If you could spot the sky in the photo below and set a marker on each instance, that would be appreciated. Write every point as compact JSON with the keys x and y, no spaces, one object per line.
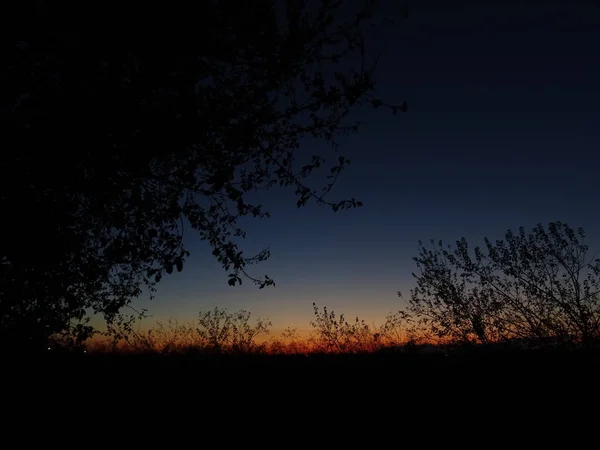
{"x":502,"y":131}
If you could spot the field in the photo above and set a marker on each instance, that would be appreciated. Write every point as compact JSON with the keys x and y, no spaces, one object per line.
{"x":468,"y":369}
{"x":324,"y":398}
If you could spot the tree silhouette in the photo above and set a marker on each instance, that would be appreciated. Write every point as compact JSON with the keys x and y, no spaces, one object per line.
{"x":539,"y":287}
{"x":123,"y":126}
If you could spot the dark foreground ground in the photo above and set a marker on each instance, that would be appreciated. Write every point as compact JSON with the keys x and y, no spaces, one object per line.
{"x":309,"y":398}
{"x":472,"y":369}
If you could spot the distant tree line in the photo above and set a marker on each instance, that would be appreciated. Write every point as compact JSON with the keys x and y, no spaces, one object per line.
{"x":532,"y":289}
{"x":218,"y":331}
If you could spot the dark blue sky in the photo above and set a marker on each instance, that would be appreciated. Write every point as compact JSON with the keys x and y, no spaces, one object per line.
{"x":502,"y":130}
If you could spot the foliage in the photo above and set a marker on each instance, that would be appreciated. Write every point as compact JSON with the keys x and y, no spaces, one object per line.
{"x":154,"y":133}
{"x":221,"y":331}
{"x":165,"y":337}
{"x":335,"y":334}
{"x":218,"y":331}
{"x":173,"y":336}
{"x":539,"y":287}
{"x":289,"y":343}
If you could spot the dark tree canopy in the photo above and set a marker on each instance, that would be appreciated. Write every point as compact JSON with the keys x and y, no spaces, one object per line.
{"x":121,"y":126}
{"x":539,"y":286}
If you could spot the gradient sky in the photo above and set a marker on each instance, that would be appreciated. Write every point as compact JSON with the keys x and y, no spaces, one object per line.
{"x":502,"y":131}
